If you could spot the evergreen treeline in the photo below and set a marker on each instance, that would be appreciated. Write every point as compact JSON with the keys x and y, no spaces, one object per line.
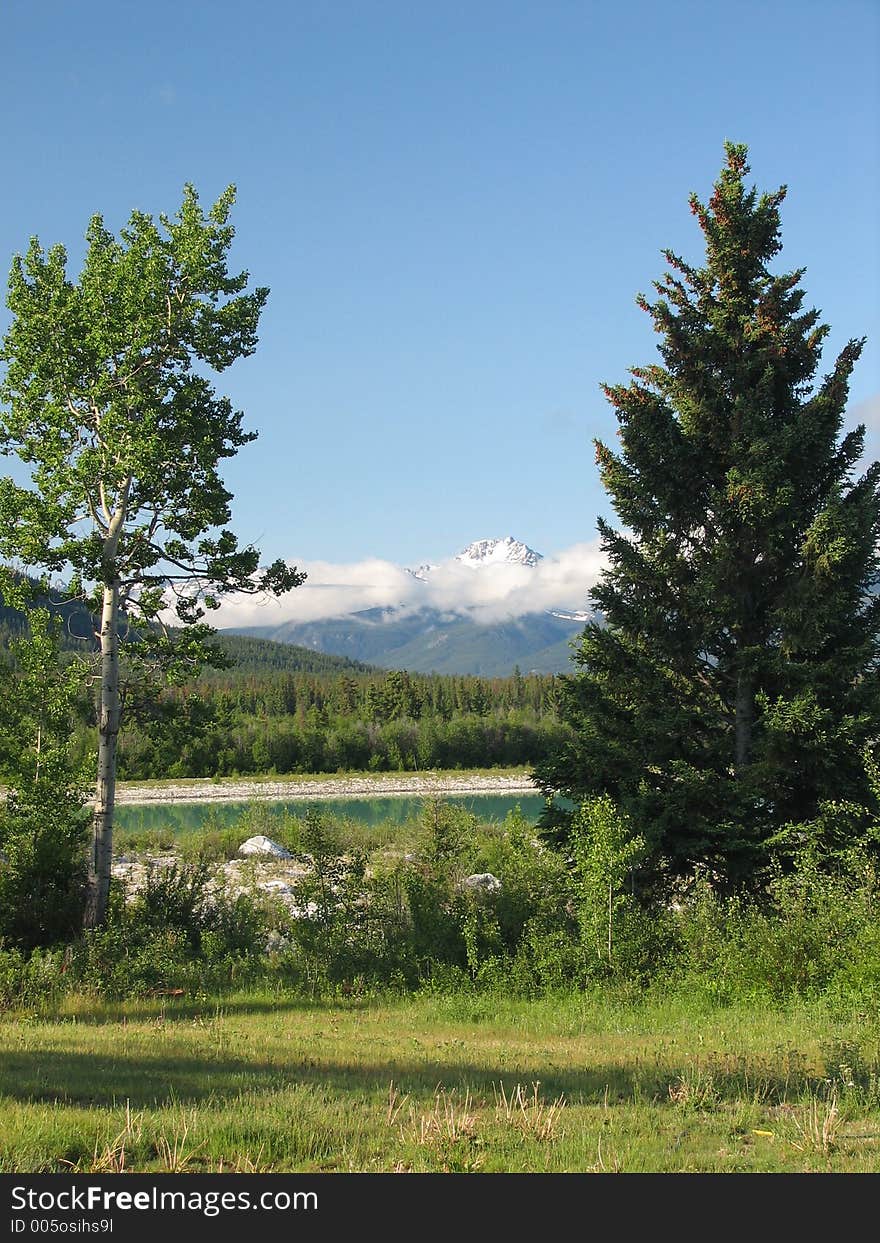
{"x":304,"y":722}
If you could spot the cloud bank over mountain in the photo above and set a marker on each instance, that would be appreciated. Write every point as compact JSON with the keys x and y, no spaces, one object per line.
{"x":492,"y":592}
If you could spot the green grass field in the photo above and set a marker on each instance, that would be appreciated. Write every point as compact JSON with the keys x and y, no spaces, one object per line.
{"x":466,"y":1082}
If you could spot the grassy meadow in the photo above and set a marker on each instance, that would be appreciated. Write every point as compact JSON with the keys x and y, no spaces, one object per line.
{"x":460,"y":1083}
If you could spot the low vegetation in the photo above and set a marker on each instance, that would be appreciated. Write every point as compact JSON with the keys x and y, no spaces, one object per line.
{"x":446,"y":901}
{"x":383,"y":1016}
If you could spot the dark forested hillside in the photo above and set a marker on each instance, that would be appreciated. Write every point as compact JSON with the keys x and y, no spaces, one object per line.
{"x":78,"y":630}
{"x":248,"y":655}
{"x":265,"y":656}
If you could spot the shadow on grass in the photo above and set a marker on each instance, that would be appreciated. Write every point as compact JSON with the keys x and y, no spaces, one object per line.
{"x":65,"y":1077}
{"x":172,"y":1008}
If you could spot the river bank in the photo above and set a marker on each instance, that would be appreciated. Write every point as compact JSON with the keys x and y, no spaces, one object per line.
{"x":384,"y":785}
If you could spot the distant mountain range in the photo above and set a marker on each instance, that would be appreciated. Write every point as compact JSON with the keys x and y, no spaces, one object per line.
{"x":423,"y":640}
{"x":426,"y":640}
{"x":430,"y":642}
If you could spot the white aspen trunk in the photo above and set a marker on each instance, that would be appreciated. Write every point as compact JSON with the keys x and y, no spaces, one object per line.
{"x":108,"y":732}
{"x":98,"y":888}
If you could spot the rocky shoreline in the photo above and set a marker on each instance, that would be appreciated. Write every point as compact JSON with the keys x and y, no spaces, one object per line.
{"x":389,"y":785}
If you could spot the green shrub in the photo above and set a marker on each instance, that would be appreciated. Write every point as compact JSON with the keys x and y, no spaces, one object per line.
{"x":549,"y":958}
{"x":536,"y":882}
{"x":616,"y":933}
{"x":28,"y":981}
{"x":178,"y":932}
{"x":43,"y":822}
{"x":812,"y":931}
{"x":343,"y":926}
{"x":42,"y":866}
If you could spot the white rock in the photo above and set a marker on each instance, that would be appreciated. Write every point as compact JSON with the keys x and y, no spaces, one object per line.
{"x":261,"y":845}
{"x":279,"y":887}
{"x":481,"y":882}
{"x":311,"y":910}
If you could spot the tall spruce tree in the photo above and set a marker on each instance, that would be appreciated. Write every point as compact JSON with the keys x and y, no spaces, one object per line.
{"x":731,"y":682}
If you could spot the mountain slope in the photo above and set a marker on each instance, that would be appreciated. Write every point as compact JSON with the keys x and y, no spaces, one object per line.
{"x":431,"y":642}
{"x":449,"y":638}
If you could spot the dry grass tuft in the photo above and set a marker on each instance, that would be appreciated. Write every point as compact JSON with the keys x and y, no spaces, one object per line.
{"x":112,"y":1157}
{"x":243,"y":1163}
{"x":450,"y":1120}
{"x":173,"y":1152}
{"x":528,"y":1112}
{"x":817,"y":1125}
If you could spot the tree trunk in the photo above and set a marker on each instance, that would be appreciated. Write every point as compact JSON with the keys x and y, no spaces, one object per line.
{"x":745,"y":717}
{"x":108,"y":733}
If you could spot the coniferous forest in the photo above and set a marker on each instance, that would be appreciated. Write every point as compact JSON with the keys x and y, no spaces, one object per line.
{"x":281,"y":709}
{"x":312,"y":723}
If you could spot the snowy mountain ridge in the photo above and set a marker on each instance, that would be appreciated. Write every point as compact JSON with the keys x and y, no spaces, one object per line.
{"x":507,"y":551}
{"x":487,"y":552}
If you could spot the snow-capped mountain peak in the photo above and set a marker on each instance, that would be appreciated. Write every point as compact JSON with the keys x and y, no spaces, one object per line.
{"x":486,"y":552}
{"x":421,"y":572}
{"x":506,"y":551}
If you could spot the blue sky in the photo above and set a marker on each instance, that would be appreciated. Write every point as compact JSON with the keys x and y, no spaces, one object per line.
{"x":454,"y":205}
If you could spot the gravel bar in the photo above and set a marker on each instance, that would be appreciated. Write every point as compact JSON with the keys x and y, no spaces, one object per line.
{"x":394,"y":784}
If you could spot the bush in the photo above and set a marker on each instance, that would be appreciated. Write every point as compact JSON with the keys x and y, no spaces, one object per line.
{"x":536,"y":883}
{"x":42,"y":821}
{"x":28,"y":981}
{"x":617,"y":934}
{"x":810,"y":933}
{"x":183,"y":899}
{"x":178,"y":932}
{"x":342,"y":926}
{"x":42,"y":866}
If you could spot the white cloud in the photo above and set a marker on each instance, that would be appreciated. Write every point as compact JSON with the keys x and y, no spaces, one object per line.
{"x":330,"y":590}
{"x":487,"y":594}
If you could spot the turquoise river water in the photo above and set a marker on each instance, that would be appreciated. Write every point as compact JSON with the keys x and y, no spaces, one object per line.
{"x":185,"y":818}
